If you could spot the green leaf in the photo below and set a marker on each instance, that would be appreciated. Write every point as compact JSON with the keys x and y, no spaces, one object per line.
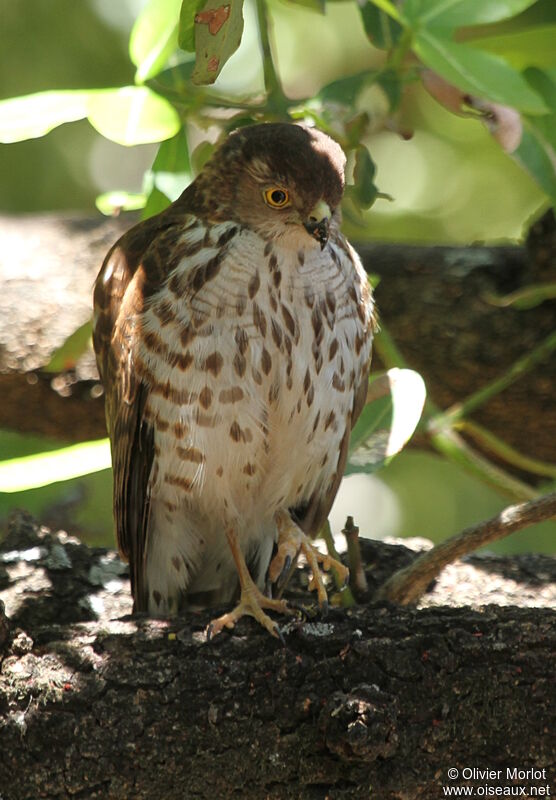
{"x":218,"y":32}
{"x":364,"y":189}
{"x":383,"y":31}
{"x":476,"y":72}
{"x":537,"y":156}
{"x":173,"y":154}
{"x":175,"y":83}
{"x":170,"y":174}
{"x":34,"y":115}
{"x":111,"y":203}
{"x":30,"y":472}
{"x":534,"y":47}
{"x":156,"y":202}
{"x":132,"y":115}
{"x":312,"y":5}
{"x":186,"y":35}
{"x":387,"y":421}
{"x":345,"y":90}
{"x":66,"y":356}
{"x":544,"y":82}
{"x":154,"y":37}
{"x":454,"y":13}
{"x":390,"y":82}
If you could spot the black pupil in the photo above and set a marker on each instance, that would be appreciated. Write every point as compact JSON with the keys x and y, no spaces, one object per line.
{"x":278,"y":197}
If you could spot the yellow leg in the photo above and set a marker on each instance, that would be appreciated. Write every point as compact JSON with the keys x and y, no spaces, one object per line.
{"x":291,"y":541}
{"x":252,"y":600}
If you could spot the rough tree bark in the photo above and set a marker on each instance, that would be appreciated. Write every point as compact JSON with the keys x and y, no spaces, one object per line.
{"x":373,"y":702}
{"x":434,"y":300}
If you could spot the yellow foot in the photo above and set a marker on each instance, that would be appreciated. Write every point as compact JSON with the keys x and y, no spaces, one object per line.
{"x":251,"y":603}
{"x":292,"y":541}
{"x":252,"y":600}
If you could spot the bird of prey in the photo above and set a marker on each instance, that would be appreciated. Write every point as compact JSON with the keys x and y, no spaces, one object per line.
{"x":233,"y":335}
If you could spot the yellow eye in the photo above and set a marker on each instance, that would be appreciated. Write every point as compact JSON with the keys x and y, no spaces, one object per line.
{"x":276,"y":197}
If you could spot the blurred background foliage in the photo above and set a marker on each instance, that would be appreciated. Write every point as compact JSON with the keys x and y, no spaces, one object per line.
{"x":435,"y":176}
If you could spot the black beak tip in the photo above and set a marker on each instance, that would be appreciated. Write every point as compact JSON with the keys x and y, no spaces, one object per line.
{"x":319,"y":231}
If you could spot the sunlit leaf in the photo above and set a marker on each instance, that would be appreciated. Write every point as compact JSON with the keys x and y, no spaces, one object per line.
{"x":388,"y":421}
{"x":30,"y":472}
{"x":36,"y":114}
{"x":110,"y":203}
{"x":154,"y":37}
{"x":454,"y":13}
{"x":66,"y":356}
{"x":132,"y":115}
{"x":383,"y":31}
{"x":477,"y":72}
{"x":218,"y":32}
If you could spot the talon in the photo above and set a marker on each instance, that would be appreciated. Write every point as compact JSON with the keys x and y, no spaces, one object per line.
{"x":209,"y":631}
{"x":324,"y":609}
{"x":280,"y":635}
{"x":291,"y":539}
{"x":285,"y":574}
{"x":252,"y":601}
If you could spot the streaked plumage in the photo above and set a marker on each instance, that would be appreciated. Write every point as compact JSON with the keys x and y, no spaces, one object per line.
{"x":234,"y":349}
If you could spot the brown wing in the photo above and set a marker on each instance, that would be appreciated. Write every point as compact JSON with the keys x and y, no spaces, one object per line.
{"x":132,"y":270}
{"x":312,"y":516}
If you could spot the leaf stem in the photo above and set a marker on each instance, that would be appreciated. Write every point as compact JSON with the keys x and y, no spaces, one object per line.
{"x":505,"y":451}
{"x":459,"y":410}
{"x":277,"y":100}
{"x":407,"y":585}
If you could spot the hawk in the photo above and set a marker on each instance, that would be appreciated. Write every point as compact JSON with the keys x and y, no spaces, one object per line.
{"x":233,"y":333}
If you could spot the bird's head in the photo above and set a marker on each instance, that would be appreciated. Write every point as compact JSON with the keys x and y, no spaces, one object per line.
{"x":283,"y":180}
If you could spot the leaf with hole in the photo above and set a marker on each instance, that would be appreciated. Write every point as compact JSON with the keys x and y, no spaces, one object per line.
{"x":186,"y":33}
{"x":218,"y":32}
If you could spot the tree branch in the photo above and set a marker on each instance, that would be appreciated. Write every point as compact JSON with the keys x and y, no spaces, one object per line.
{"x":409,"y":584}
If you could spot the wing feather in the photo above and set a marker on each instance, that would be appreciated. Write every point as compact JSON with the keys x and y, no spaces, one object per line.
{"x":128,"y":275}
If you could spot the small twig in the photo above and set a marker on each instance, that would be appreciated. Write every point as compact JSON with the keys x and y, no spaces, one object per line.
{"x":357,"y":576}
{"x":346,"y":596}
{"x":276,"y":100}
{"x":408,"y":584}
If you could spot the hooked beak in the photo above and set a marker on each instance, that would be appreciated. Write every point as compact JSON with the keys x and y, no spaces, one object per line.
{"x":319,"y":222}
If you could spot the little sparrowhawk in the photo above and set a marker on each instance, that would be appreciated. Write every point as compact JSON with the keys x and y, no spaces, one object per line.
{"x":233,"y":335}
